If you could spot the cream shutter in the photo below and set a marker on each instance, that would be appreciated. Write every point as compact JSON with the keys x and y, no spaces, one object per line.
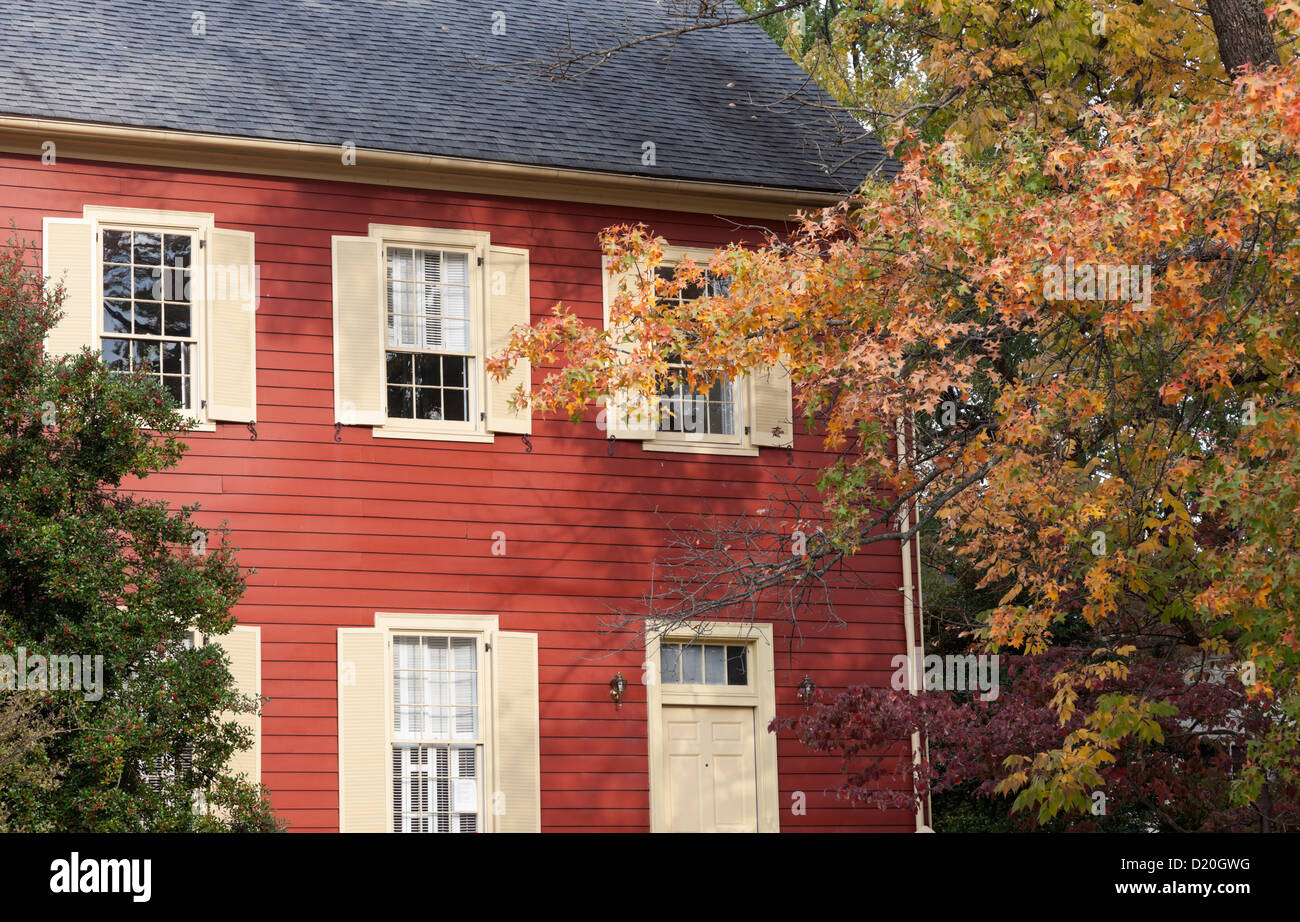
{"x":232,"y":326}
{"x":359,"y":398}
{"x":508,"y":306}
{"x":243,"y":646}
{"x":773,"y":413}
{"x":363,"y":731}
{"x":628,"y":415}
{"x":69,"y":257}
{"x":516,"y":801}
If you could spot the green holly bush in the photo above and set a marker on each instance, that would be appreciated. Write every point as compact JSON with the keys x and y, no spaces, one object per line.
{"x":88,"y":567}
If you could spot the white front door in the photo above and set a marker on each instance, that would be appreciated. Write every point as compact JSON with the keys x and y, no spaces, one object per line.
{"x":711,"y":784}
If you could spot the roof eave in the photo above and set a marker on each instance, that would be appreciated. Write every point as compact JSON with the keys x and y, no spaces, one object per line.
{"x":227,"y":153}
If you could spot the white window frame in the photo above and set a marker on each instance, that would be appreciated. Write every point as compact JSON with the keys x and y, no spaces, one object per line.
{"x":418,"y":625}
{"x":199,"y":226}
{"x":476,"y":245}
{"x":741,"y":443}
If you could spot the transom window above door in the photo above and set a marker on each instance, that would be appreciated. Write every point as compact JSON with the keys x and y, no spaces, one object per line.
{"x":703,"y":664}
{"x":430,"y":349}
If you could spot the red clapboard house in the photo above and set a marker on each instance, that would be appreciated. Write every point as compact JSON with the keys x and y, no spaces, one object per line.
{"x":373,"y":208}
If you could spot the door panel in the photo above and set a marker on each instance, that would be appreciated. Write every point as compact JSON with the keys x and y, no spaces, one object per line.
{"x":710,"y":771}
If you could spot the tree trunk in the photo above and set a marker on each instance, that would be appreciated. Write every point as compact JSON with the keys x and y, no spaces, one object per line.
{"x":1243,"y":33}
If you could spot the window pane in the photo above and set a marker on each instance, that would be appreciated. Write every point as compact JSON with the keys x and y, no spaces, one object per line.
{"x":148,"y":249}
{"x":431,"y":309}
{"x":176,"y":388}
{"x":692,"y":665}
{"x":454,"y":371}
{"x":455,"y":268}
{"x":117,"y":316}
{"x":435,"y":653}
{"x":464,"y":652}
{"x":172,"y":358}
{"x":400,"y":403}
{"x":456,"y":335}
{"x":117,"y":354}
{"x":466,"y":725}
{"x":692,"y":410}
{"x":670,"y":663}
{"x":438,"y":723}
{"x":177,"y":320}
{"x":117,"y":246}
{"x":453,"y":406}
{"x":117,"y":282}
{"x":456,"y":302}
{"x":714,"y":667}
{"x":722,"y":419}
{"x":148,"y":318}
{"x":176,"y":250}
{"x":399,"y":264}
{"x":148,"y":283}
{"x":737,"y":666}
{"x":175,"y":284}
{"x":399,"y":367}
{"x":428,"y":370}
{"x":145,"y":357}
{"x":428,"y":403}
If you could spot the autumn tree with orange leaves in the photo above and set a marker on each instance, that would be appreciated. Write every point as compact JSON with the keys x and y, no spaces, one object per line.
{"x":1088,"y":331}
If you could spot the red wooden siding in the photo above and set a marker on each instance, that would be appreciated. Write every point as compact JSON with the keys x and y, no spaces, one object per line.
{"x":339,"y":531}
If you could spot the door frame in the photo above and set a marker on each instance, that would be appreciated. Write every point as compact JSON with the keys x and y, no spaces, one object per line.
{"x":759,"y":695}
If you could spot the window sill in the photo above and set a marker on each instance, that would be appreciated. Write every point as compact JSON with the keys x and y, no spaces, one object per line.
{"x":430,"y":435}
{"x":701,"y":448}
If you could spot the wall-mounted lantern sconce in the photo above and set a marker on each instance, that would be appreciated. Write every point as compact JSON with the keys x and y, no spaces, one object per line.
{"x":806,"y":691}
{"x":617,"y":686}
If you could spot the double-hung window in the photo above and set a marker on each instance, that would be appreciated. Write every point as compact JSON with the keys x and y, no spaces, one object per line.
{"x":727,"y":416}
{"x":431,"y":360}
{"x":165,"y":294}
{"x":417,"y":313}
{"x":438,"y":726}
{"x":149,"y":326}
{"x":437,"y":734}
{"x":707,"y":413}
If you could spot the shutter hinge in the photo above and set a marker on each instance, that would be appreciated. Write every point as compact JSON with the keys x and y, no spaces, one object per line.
{"x":480,"y":260}
{"x":482,"y":415}
{"x":746,"y":430}
{"x":203,"y":242}
{"x":487,"y":647}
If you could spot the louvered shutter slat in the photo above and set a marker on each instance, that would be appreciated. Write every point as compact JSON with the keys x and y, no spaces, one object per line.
{"x":508,"y":304}
{"x":628,"y":414}
{"x":68,"y":255}
{"x":516,"y":794}
{"x":363,"y":719}
{"x":359,"y":398}
{"x":243,"y":646}
{"x":232,"y":327}
{"x":773,"y":415}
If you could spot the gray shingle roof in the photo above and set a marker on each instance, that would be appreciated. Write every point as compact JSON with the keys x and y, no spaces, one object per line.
{"x":407,"y":75}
